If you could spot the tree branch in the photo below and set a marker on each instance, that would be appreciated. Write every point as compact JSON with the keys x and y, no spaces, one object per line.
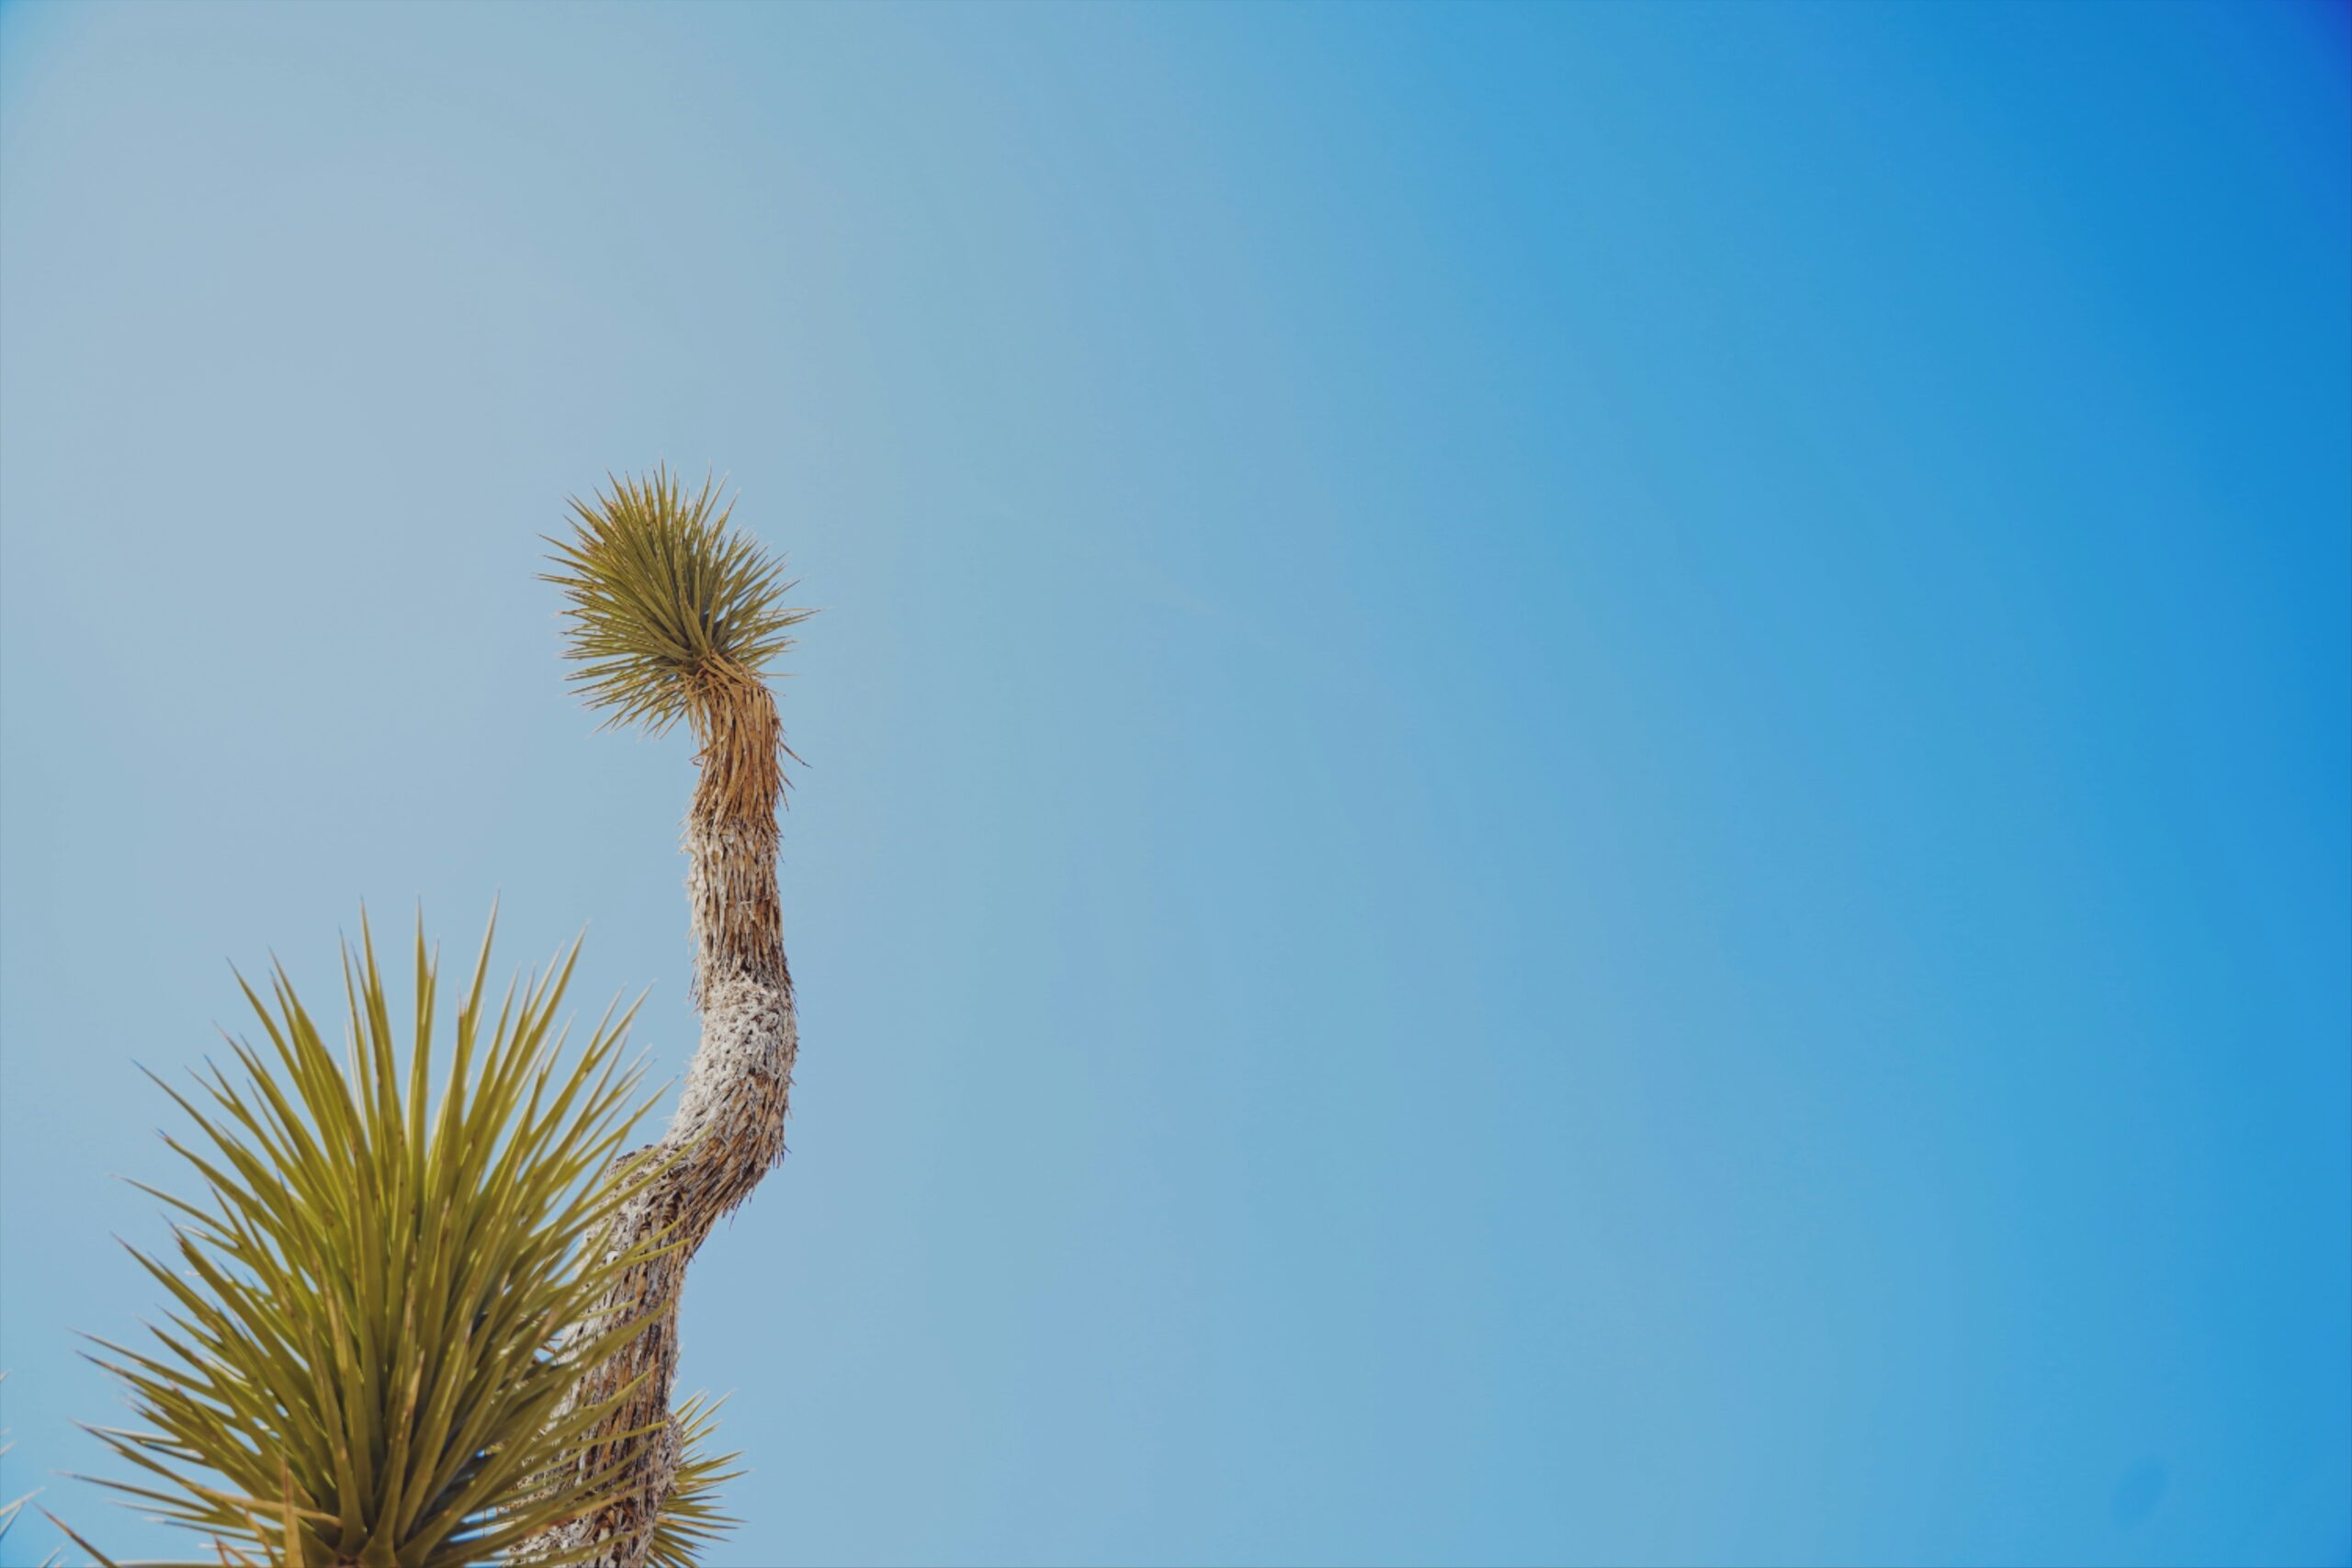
{"x":728,"y":1129}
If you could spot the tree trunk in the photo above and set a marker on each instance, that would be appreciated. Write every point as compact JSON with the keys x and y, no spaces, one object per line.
{"x":729,"y":1130}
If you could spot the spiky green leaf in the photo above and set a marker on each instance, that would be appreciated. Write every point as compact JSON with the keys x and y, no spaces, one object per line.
{"x":665,"y":599}
{"x":691,"y":1520}
{"x":377,"y":1320}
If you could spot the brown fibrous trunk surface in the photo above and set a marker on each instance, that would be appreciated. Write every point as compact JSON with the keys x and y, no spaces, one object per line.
{"x":728,"y":1132}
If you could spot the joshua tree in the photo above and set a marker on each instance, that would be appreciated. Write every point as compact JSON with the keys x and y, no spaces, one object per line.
{"x":674,"y":617}
{"x":414,"y":1334}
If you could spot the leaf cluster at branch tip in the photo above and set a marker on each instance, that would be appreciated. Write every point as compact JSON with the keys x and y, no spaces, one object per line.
{"x":667,"y":603}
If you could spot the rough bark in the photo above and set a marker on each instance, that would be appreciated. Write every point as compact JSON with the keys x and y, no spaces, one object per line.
{"x":728,"y":1129}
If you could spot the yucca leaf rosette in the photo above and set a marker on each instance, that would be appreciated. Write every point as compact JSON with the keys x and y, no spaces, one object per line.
{"x":365,"y":1362}
{"x":674,"y":613}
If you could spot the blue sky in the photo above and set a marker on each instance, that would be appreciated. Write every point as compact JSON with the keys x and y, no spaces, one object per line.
{"x":1578,"y":776}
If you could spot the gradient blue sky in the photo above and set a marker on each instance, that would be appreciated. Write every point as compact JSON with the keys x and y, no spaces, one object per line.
{"x":1578,"y":776}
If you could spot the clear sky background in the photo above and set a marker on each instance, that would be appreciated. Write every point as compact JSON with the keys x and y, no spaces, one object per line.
{"x":1578,"y":776}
